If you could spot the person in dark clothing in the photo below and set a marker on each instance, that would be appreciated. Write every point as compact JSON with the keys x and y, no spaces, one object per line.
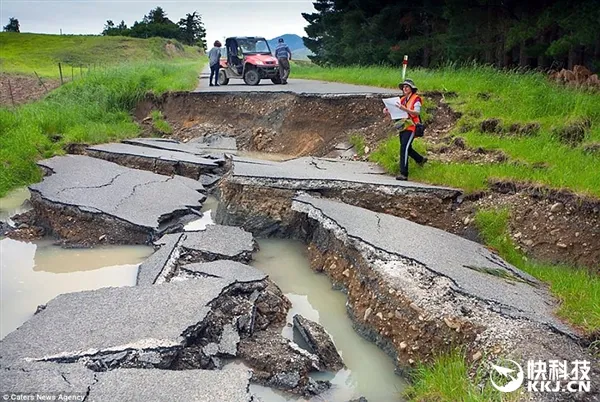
{"x":214,"y":57}
{"x":410,"y":102}
{"x":283,"y":55}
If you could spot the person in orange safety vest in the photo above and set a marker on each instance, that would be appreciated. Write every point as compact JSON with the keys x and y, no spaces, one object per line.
{"x":410,"y":102}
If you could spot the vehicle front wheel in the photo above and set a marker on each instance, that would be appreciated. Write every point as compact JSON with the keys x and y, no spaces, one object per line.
{"x":276,"y":80}
{"x":251,"y":77}
{"x":223,"y":80}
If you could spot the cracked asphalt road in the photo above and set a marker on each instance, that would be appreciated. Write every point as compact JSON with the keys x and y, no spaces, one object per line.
{"x":136,"y":196}
{"x":311,"y":173}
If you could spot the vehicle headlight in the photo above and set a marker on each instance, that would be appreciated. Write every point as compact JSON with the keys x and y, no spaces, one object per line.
{"x":259,"y":63}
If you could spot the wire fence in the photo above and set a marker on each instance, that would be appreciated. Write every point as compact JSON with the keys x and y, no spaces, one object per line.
{"x":66,"y":72}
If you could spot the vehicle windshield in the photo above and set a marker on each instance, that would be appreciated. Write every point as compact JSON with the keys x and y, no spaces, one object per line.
{"x":254,"y":45}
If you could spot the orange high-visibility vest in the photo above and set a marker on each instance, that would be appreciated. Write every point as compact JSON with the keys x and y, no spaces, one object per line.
{"x":411,"y":104}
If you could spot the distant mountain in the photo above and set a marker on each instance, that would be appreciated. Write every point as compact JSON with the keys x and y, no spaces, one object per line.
{"x":299,"y":51}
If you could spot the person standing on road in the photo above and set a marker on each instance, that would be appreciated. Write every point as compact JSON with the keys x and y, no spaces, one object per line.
{"x":214,"y":57}
{"x":283,"y":55}
{"x":410,"y":102}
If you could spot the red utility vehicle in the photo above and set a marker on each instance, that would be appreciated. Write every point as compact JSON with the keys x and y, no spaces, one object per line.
{"x":248,"y":58}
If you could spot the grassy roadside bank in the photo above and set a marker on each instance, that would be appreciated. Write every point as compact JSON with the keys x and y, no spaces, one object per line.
{"x":483,"y":93}
{"x":24,"y":53}
{"x":94,"y":109}
{"x":578,"y":291}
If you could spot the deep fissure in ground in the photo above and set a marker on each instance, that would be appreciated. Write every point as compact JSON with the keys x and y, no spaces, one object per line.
{"x":556,"y":226}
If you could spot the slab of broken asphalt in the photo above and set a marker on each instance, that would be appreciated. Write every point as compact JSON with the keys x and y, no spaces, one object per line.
{"x":230,"y":270}
{"x":196,"y":146}
{"x":215,"y":243}
{"x":230,"y":384}
{"x":471,"y":268}
{"x":127,"y":153}
{"x":107,"y":190}
{"x":414,"y":290}
{"x":310,"y":173}
{"x":47,"y":379}
{"x":136,"y":327}
{"x":108,"y":321}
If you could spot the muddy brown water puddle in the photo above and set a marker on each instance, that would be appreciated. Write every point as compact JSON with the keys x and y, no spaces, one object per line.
{"x":369,"y":372}
{"x":33,"y":273}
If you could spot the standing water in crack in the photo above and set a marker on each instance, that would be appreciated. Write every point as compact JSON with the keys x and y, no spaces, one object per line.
{"x":209,"y":208}
{"x":33,"y":273}
{"x":369,"y":371}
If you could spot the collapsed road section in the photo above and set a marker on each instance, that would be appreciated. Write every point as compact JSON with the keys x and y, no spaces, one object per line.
{"x":283,"y":123}
{"x":414,"y":290}
{"x":192,"y":247}
{"x":195,"y":159}
{"x":197,"y":318}
{"x":86,"y":201}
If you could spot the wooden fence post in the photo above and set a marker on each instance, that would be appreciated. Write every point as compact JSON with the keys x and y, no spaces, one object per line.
{"x":42,"y":82}
{"x":61,"y":76}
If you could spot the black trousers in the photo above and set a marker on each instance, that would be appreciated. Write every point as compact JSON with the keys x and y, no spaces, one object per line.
{"x":406,"y":150}
{"x":214,"y":71}
{"x":284,"y":68}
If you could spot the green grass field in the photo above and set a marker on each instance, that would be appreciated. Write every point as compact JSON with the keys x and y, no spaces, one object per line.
{"x":24,"y":53}
{"x":484,"y":93}
{"x":94,"y":109}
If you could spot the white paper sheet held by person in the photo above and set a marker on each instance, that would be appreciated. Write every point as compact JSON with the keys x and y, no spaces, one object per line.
{"x":395,"y":112}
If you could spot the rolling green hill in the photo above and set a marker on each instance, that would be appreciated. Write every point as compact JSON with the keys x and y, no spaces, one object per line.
{"x":24,"y":53}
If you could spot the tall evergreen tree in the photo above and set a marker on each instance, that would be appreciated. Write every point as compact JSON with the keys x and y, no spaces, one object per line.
{"x":111,"y":30}
{"x":155,"y":23}
{"x":506,"y":33}
{"x":13,"y":25}
{"x":192,"y":30}
{"x":156,"y":16}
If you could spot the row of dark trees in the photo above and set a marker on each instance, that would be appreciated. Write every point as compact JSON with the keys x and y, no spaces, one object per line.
{"x":189,"y":30}
{"x":506,"y":33}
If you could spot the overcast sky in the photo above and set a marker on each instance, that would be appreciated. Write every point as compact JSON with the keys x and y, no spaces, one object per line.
{"x":268,"y":18}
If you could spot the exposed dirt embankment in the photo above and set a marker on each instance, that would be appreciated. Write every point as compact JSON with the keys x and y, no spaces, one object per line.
{"x":541,"y":226}
{"x":290,"y":124}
